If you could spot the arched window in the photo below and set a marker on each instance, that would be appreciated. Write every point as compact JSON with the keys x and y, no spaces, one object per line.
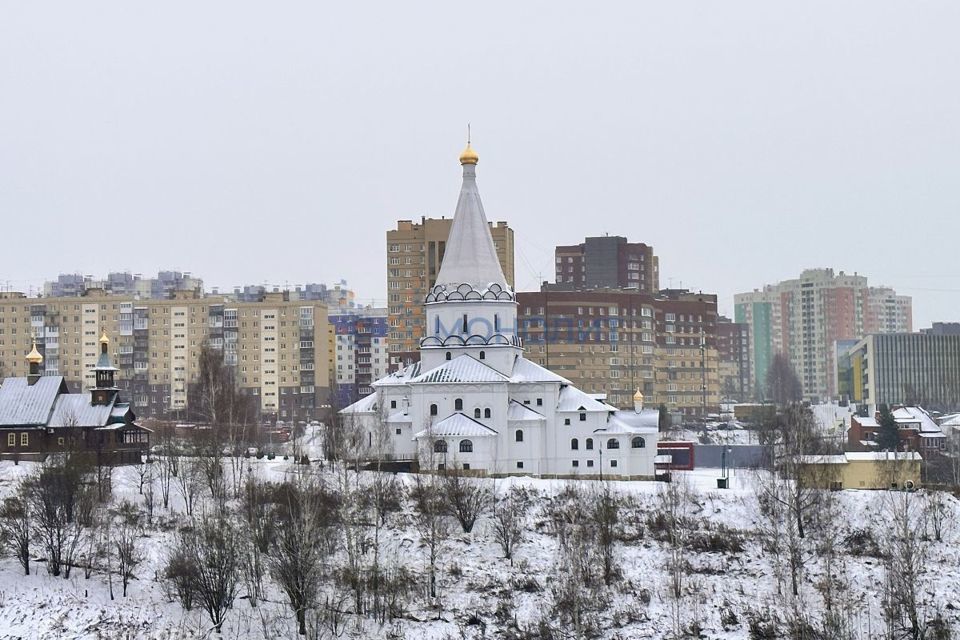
{"x":448,"y":355}
{"x":638,"y":443}
{"x":574,"y":444}
{"x":437,"y":326}
{"x":464,"y":323}
{"x":476,"y":412}
{"x":519,"y":435}
{"x":496,"y":322}
{"x":613,"y":443}
{"x":589,"y":443}
{"x":483,"y":355}
{"x":466,"y":446}
{"x":458,"y":404}
{"x":433,"y":409}
{"x":486,"y":412}
{"x":440,"y":446}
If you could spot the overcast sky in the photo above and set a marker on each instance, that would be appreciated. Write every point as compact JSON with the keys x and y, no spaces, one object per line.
{"x":278,"y":141}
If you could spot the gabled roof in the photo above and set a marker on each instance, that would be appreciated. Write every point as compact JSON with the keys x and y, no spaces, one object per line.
{"x":916,"y":415}
{"x":470,"y":256}
{"x":457,"y":425}
{"x":22,"y":404}
{"x":645,"y":422}
{"x":367,"y":404}
{"x":461,"y":369}
{"x":76,"y":410}
{"x":866,"y":422}
{"x":526,"y":371}
{"x":403,"y":376}
{"x":572,"y":399}
{"x":517,"y":411}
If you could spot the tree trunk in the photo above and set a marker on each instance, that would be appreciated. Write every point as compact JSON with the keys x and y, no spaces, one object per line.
{"x":302,"y":621}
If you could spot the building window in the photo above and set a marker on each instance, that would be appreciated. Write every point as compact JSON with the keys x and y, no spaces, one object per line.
{"x":448,"y":355}
{"x":589,"y":443}
{"x":583,"y":416}
{"x":441,"y":467}
{"x":440,"y":446}
{"x":613,"y":443}
{"x":24,"y":439}
{"x":520,"y":464}
{"x":613,"y":463}
{"x":519,"y":435}
{"x":458,"y":404}
{"x":11,"y":439}
{"x":576,"y":463}
{"x":466,"y":466}
{"x":483,"y":355}
{"x":464,"y":323}
{"x":486,"y":413}
{"x":466,"y":446}
{"x":433,"y":409}
{"x":539,"y":402}
{"x":60,"y":441}
{"x":566,"y":421}
{"x":476,"y":413}
{"x":574,"y":444}
{"x":589,"y":462}
{"x":393,"y":404}
{"x":638,"y":443}
{"x":398,"y":431}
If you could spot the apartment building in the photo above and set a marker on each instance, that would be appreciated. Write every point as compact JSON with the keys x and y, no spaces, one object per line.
{"x":277,"y":346}
{"x":360,"y":355}
{"x":414,"y":253}
{"x":616,"y":341}
{"x":905,"y":369}
{"x":607,"y":262}
{"x":123,"y":283}
{"x":805,"y":317}
{"x":733,"y":349}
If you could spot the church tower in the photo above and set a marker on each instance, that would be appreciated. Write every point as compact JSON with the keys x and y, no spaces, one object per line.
{"x":471,"y":309}
{"x":105,"y":389}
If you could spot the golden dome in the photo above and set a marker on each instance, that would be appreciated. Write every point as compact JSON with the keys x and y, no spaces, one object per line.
{"x":103,"y":338}
{"x":469,"y":156}
{"x":638,"y":395}
{"x":34,"y":356}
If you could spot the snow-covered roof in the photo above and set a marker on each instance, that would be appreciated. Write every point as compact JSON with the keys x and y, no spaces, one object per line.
{"x":23,"y":404}
{"x":527,"y":371}
{"x":366,"y":404}
{"x":403,"y":376}
{"x":463,"y":368}
{"x":399,"y":417}
{"x":647,"y":421}
{"x":861,"y":456}
{"x":918,"y":415}
{"x":456,"y":425}
{"x":866,"y":422}
{"x":75,"y":410}
{"x":572,"y":399}
{"x":518,"y":411}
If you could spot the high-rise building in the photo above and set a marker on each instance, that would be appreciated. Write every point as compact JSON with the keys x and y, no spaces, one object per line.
{"x":359,"y":353}
{"x":943,"y":329}
{"x":733,"y":349}
{"x":906,"y":368}
{"x":415,"y":251}
{"x":276,"y":346}
{"x":165,"y":285}
{"x":805,"y":317}
{"x":607,"y":262}
{"x":616,"y":341}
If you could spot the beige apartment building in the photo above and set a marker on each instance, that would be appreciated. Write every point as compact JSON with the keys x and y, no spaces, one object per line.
{"x":615,"y":342}
{"x":277,"y":346}
{"x":414,"y":253}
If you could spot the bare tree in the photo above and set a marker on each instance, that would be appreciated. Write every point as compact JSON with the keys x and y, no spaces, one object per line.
{"x":936,"y":512}
{"x":189,"y":482}
{"x":782,"y":384}
{"x":605,"y":514}
{"x":466,"y":499}
{"x":904,"y":555}
{"x":675,"y":510}
{"x":127,"y":528}
{"x":54,"y":493}
{"x":509,"y":513}
{"x":212,"y":547}
{"x":149,"y":494}
{"x":431,"y":523}
{"x":301,"y":546}
{"x":15,"y":527}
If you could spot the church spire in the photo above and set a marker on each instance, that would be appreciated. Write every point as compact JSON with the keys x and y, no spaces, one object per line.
{"x":470,"y":256}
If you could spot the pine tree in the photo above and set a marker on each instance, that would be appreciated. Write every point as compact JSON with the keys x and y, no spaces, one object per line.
{"x":888,"y":436}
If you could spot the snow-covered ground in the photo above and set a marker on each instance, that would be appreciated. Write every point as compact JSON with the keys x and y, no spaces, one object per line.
{"x":483,"y":595}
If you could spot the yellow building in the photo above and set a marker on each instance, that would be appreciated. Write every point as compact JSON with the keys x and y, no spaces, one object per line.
{"x":414,"y":253}
{"x":863,"y":470}
{"x":278,"y":347}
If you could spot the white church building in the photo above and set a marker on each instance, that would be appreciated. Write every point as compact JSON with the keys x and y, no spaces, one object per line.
{"x":474,"y":402}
